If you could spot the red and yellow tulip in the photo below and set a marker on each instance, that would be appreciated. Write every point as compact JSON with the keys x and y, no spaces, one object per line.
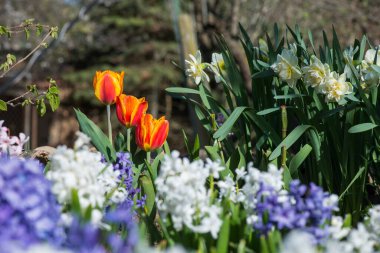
{"x":130,"y":109}
{"x":151,"y":133}
{"x":108,"y":85}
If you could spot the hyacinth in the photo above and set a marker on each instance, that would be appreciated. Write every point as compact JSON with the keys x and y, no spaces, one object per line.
{"x":123,"y":164}
{"x":88,"y":238}
{"x":11,"y":145}
{"x":29,"y":213}
{"x":304,"y":208}
{"x":81,"y":170}
{"x":190,"y":204}
{"x":252,"y":181}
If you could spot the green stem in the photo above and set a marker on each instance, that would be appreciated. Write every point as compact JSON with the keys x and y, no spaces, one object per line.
{"x":129,"y":139}
{"x":148,"y":156}
{"x":284,"y":118}
{"x":109,"y":123}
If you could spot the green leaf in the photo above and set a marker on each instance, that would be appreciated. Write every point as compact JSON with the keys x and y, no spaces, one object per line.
{"x":298,"y":159}
{"x":361,"y":128}
{"x":181,"y":90}
{"x":289,"y":96}
{"x":148,"y":190}
{"x":268,"y":111}
{"x":41,"y":107}
{"x":289,"y":140}
{"x":358,"y":174}
{"x":3,"y":105}
{"x":225,"y":129}
{"x":98,"y":138}
{"x":223,"y":236}
{"x":75,"y":204}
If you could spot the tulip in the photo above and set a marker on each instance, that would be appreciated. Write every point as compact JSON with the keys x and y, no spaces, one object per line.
{"x":130,"y":109}
{"x":151,"y":133}
{"x":108,"y":85}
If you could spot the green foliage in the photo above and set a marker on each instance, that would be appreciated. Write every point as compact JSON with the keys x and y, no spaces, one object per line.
{"x":329,"y":143}
{"x":98,"y":138}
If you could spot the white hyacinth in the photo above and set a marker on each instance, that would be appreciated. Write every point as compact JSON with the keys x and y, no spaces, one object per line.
{"x":82,"y":170}
{"x":272,"y":178}
{"x":299,"y":242}
{"x":182,"y":194}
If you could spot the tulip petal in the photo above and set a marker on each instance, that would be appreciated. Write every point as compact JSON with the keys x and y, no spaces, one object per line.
{"x":160,"y":133}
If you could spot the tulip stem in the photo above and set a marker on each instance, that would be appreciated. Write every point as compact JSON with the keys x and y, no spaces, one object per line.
{"x":148,"y":156}
{"x":129,"y":139}
{"x":109,"y":123}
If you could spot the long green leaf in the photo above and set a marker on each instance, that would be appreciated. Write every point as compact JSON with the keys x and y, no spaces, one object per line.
{"x":363,"y":127}
{"x":289,"y":140}
{"x":358,"y":174}
{"x":225,"y":129}
{"x":223,"y":237}
{"x":98,"y":138}
{"x":298,"y":159}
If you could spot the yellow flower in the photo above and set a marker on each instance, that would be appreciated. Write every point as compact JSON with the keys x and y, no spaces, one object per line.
{"x":336,"y":87}
{"x":316,"y":73}
{"x":287,"y":68}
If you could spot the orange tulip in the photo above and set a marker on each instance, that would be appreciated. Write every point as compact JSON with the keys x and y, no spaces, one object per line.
{"x":108,"y":85}
{"x":130,"y":109}
{"x":151,"y":133}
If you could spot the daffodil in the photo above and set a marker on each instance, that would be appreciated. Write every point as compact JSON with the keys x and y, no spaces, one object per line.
{"x":336,"y":87}
{"x":195,"y":68}
{"x":315,"y":74}
{"x":217,"y":66}
{"x":369,"y":75}
{"x":287,"y":67}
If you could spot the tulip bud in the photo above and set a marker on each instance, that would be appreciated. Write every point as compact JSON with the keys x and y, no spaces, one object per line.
{"x":151,"y":133}
{"x":108,"y":85}
{"x":130,"y":109}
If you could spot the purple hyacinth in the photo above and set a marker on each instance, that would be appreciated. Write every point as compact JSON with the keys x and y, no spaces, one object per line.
{"x":87,"y":238}
{"x":124,"y":165}
{"x":29,"y":212}
{"x":301,"y":208}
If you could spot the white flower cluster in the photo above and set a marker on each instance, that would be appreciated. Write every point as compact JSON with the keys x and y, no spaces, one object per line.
{"x":182,"y":194}
{"x":364,"y":239}
{"x":11,"y":145}
{"x":271,"y":178}
{"x":80,"y":169}
{"x":316,"y":75}
{"x":196,"y":68}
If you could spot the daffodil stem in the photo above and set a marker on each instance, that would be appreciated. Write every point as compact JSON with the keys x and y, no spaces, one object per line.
{"x":284,"y":119}
{"x":129,"y":139}
{"x":109,"y":123}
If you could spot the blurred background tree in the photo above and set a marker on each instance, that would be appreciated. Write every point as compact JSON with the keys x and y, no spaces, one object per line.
{"x":140,"y":38}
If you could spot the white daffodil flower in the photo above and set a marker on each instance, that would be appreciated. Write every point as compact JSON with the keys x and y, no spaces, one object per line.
{"x":316,"y":73}
{"x":195,"y":68}
{"x":217,"y":66}
{"x":336,"y":87}
{"x":287,"y":67}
